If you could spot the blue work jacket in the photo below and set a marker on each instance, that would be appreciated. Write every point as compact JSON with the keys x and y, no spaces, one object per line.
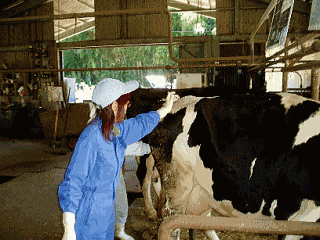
{"x":89,"y":187}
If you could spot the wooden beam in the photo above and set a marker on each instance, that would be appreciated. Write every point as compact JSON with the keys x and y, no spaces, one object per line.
{"x":25,"y":6}
{"x":69,"y":32}
{"x":299,"y":6}
{"x":184,"y":6}
{"x":315,"y":81}
{"x":236,"y":17}
{"x":86,"y":4}
{"x":285,"y":75}
{"x":264,"y":17}
{"x":51,"y":17}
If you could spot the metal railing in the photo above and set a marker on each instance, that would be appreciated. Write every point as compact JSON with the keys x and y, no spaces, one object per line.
{"x":237,"y":225}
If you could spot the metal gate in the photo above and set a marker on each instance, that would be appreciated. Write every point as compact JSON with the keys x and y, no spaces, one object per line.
{"x":237,"y":225}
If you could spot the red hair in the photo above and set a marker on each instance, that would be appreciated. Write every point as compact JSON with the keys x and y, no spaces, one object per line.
{"x":108,"y":119}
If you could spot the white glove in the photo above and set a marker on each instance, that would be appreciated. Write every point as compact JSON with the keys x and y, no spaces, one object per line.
{"x":167,"y":106}
{"x":68,"y":220}
{"x":138,"y":149}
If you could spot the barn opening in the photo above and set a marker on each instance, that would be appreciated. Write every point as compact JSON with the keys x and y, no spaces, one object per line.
{"x":184,"y":24}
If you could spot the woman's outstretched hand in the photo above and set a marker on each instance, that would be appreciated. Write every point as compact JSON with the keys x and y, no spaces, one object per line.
{"x":167,"y":106}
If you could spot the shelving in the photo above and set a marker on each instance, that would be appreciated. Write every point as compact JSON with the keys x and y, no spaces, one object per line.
{"x":41,"y":55}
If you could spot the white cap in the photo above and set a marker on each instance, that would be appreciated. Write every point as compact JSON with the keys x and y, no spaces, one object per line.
{"x":109,"y":90}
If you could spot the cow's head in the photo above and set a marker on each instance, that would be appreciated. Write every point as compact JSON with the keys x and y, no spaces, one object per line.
{"x":146,"y":100}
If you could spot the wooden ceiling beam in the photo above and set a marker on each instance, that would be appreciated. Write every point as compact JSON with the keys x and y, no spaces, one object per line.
{"x":86,"y":4}
{"x":184,"y":6}
{"x":23,"y":7}
{"x":299,"y":6}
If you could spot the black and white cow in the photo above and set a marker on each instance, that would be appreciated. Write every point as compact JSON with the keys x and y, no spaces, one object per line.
{"x":244,"y":155}
{"x":152,"y":99}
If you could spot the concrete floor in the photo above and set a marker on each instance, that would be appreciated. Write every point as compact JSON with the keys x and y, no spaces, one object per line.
{"x":29,"y":203}
{"x":29,"y":207}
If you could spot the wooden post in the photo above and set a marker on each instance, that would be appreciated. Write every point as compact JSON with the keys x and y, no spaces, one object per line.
{"x":315,"y":79}
{"x":285,"y":74}
{"x":236,"y":22}
{"x":285,"y":80}
{"x":25,"y":78}
{"x":2,"y":87}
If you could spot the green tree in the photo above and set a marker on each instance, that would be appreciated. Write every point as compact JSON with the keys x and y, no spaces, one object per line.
{"x":183,"y":25}
{"x":187,"y":22}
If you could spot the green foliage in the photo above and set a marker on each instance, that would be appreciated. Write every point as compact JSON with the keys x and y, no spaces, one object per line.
{"x":183,"y":25}
{"x":116,"y":57}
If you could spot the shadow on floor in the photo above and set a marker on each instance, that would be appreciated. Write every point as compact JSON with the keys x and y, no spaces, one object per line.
{"x":4,"y":179}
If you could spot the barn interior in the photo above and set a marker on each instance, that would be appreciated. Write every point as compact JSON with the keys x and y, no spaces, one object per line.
{"x":264,"y":45}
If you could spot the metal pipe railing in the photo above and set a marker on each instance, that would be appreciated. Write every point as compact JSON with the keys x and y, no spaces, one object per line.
{"x":293,"y":45}
{"x":300,"y":67}
{"x":314,"y":48}
{"x":237,"y":225}
{"x":266,"y":61}
{"x":168,"y":67}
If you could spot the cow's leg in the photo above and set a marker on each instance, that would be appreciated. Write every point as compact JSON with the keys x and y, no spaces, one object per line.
{"x":176,"y":234}
{"x":146,"y":189}
{"x":290,"y":237}
{"x":156,"y":181}
{"x":211,"y":234}
{"x":308,"y":212}
{"x":192,"y":234}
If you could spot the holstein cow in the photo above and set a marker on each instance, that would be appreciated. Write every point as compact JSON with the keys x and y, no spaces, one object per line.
{"x":246,"y":155}
{"x":152,"y":99}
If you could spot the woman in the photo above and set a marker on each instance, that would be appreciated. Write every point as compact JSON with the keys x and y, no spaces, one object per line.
{"x":87,"y":194}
